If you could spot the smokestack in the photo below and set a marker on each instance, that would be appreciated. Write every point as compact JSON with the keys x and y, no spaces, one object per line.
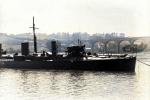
{"x":54,"y":48}
{"x":25,"y":48}
{"x":0,"y":50}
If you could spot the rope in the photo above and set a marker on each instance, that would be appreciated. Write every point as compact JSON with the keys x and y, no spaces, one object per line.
{"x":143,"y":62}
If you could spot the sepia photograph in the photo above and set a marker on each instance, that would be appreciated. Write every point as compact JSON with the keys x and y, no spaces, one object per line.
{"x":74,"y":50}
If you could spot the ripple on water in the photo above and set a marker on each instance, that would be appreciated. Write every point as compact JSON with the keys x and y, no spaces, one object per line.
{"x":76,"y":85}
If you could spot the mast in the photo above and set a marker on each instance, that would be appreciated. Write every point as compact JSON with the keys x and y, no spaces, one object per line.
{"x":34,"y":36}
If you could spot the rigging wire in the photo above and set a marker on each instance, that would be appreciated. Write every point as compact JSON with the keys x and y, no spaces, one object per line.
{"x":143,"y":62}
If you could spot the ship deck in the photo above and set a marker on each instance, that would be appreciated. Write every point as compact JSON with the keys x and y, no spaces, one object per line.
{"x":84,"y":59}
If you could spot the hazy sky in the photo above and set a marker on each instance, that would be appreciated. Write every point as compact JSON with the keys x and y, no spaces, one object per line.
{"x":128,"y":16}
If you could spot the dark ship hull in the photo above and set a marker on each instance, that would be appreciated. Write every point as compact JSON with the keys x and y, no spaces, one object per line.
{"x":118,"y":64}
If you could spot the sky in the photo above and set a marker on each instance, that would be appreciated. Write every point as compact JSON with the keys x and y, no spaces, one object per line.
{"x":93,"y":16}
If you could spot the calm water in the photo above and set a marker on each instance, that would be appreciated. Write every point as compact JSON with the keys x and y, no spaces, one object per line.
{"x":76,"y":85}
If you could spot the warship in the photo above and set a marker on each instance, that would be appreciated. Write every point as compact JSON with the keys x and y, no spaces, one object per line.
{"x":75,"y":58}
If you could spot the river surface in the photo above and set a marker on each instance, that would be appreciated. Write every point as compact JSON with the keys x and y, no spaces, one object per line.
{"x":76,"y":85}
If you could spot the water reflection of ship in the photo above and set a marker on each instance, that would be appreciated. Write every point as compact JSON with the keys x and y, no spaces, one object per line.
{"x":75,"y":59}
